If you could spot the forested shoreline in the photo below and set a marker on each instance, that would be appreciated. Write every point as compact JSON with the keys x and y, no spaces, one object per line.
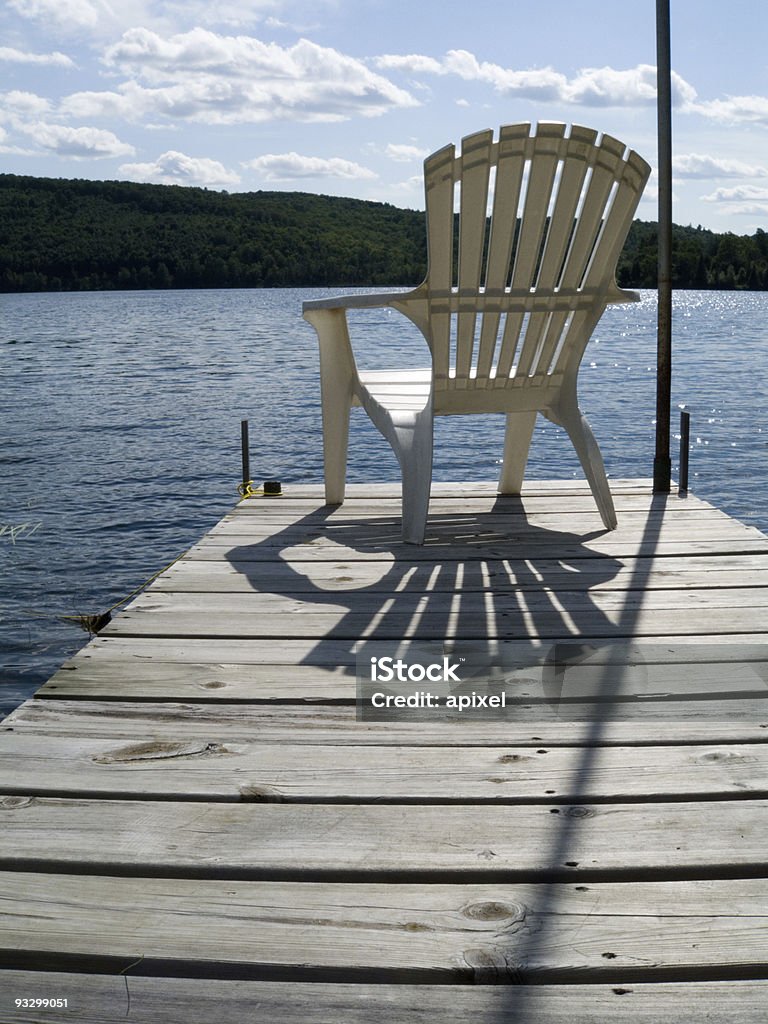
{"x":77,"y":235}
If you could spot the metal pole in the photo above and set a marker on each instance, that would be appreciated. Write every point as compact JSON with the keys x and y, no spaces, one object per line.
{"x":244,"y":451}
{"x":685,"y":445}
{"x":662,"y":465}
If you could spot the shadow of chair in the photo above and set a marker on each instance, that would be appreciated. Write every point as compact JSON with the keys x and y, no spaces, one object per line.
{"x":488,"y":576}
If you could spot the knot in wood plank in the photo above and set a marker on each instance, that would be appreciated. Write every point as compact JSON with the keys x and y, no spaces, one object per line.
{"x":158,"y":750}
{"x":13,"y":803}
{"x":491,"y":965}
{"x":495,"y":910}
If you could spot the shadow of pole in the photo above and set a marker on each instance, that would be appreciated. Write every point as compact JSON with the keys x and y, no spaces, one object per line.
{"x":527,"y":955}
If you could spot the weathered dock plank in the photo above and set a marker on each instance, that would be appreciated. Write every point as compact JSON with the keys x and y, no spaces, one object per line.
{"x":708,"y":572}
{"x":451,"y":550}
{"x":331,"y":653}
{"x":103,"y":999}
{"x":430,"y":625}
{"x":604,"y":932}
{"x":426,"y":842}
{"x":642,"y":722}
{"x":410,"y":602}
{"x":203,"y":768}
{"x":306,"y":722}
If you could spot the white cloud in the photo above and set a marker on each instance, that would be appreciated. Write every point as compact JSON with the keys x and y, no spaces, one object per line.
{"x":83,"y":13}
{"x":13,"y":150}
{"x":414,"y":63}
{"x":737,"y":109}
{"x":626,"y":88}
{"x":127,"y":103}
{"x":173,"y":168}
{"x":215,"y":79}
{"x":77,"y":143}
{"x":105,"y":19}
{"x":22,"y":104}
{"x":199,"y":99}
{"x":738,"y":194}
{"x":289,"y":166}
{"x":223,"y":12}
{"x":148,"y":55}
{"x":543,"y":83}
{"x":749,"y":209}
{"x":405,"y":153}
{"x":698,"y":165}
{"x":278,"y":23}
{"x":55,"y":59}
{"x":410,"y":185}
{"x":102,"y":19}
{"x":590,"y":87}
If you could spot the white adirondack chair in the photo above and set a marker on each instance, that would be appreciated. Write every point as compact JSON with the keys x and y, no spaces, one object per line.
{"x":542,"y":218}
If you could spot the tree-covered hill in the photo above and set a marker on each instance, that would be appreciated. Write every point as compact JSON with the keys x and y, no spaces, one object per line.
{"x":72,"y":235}
{"x":61,"y":234}
{"x":700,"y":258}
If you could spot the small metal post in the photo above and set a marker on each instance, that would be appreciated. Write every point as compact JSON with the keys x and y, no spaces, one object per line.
{"x":685,"y":442}
{"x":245,"y":455}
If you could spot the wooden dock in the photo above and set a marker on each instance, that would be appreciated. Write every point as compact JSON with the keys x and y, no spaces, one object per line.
{"x":195,"y":826}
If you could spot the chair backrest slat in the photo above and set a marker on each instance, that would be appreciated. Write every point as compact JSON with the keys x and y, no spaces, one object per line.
{"x":542,"y":170}
{"x":475,"y":174}
{"x":617,"y":222}
{"x":510,"y":160}
{"x":532,"y":343}
{"x":606,"y":164}
{"x":511,"y":151}
{"x":513,"y":328}
{"x":575,"y":169}
{"x":439,"y":181}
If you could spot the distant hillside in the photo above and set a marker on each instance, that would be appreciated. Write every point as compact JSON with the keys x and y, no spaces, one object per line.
{"x":74,"y":235}
{"x":59,"y":234}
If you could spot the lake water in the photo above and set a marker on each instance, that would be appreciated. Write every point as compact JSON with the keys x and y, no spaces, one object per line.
{"x":120,"y":430}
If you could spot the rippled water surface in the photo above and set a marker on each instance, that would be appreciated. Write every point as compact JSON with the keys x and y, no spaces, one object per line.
{"x":120,"y":430}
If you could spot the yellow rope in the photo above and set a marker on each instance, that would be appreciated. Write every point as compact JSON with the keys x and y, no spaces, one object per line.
{"x":247,"y":490}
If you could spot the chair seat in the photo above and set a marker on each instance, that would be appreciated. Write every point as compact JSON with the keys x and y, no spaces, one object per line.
{"x":398,"y":389}
{"x":408,"y":391}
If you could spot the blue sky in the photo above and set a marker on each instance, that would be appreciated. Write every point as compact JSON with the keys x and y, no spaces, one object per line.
{"x":346,"y":97}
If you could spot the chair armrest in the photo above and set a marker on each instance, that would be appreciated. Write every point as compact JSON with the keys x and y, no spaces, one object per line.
{"x":368,"y":301}
{"x":617,"y":295}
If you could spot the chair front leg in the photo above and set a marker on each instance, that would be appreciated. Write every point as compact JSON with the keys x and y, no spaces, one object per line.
{"x":517,"y":442}
{"x":413,"y":447}
{"x":335,"y":442}
{"x":337,"y":377}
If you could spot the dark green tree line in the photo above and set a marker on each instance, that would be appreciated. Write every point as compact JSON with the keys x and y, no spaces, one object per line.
{"x":700,"y":258}
{"x":61,"y":234}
